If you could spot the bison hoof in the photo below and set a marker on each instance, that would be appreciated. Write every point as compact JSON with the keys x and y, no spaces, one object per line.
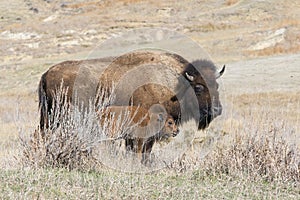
{"x":148,"y":160}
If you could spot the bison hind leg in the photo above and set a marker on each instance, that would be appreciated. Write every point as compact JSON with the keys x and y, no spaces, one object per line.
{"x":130,"y":144}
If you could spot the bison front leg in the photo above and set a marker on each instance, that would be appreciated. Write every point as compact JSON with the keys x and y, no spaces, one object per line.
{"x":146,"y":151}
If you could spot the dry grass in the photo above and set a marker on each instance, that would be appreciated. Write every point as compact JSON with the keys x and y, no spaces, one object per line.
{"x":258,"y":148}
{"x":210,"y":27}
{"x":62,"y":184}
{"x":231,"y":2}
{"x":266,"y":155}
{"x":290,"y":45}
{"x":76,"y":139}
{"x":288,"y":21}
{"x":62,"y":145}
{"x":284,"y":105}
{"x":275,"y":50}
{"x":101,"y":4}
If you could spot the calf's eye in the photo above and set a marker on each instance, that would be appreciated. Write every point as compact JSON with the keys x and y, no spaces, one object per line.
{"x":170,"y":122}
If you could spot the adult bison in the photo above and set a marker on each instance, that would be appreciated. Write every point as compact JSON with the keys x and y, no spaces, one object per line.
{"x":187,"y":90}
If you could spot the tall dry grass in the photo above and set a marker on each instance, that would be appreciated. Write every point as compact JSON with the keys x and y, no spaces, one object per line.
{"x":79,"y":136}
{"x":62,"y":144}
{"x":252,"y":154}
{"x":259,"y":148}
{"x":249,"y":154}
{"x":263,"y":155}
{"x":256,"y":142}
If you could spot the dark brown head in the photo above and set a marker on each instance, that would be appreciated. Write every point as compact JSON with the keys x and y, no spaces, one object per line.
{"x":202,"y":76}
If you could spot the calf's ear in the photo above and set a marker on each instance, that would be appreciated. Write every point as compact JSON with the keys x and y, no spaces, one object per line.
{"x":160,"y":117}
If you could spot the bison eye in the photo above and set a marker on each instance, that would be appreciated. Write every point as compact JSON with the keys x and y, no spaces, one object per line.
{"x":199,"y":88}
{"x":170,"y":122}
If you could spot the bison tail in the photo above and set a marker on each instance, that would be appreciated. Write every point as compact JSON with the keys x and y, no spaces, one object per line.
{"x":43,"y":104}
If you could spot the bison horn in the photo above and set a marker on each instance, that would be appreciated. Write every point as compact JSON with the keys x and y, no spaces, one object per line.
{"x":189,"y":77}
{"x":220,"y":73}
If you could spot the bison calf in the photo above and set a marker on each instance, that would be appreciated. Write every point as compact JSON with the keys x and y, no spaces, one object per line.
{"x":139,"y":127}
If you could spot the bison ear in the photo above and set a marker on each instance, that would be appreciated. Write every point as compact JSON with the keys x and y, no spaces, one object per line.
{"x":220,"y":73}
{"x":189,"y":77}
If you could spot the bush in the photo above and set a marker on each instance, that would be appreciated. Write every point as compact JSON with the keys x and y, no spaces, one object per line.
{"x":73,"y":134}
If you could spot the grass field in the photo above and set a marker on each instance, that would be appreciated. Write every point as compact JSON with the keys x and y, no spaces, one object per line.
{"x":104,"y":184}
{"x":251,"y":152}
